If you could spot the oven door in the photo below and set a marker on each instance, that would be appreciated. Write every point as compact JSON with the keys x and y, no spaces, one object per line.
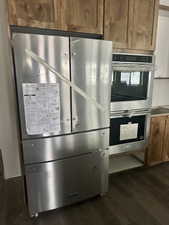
{"x":129,"y":132}
{"x":131,"y":87}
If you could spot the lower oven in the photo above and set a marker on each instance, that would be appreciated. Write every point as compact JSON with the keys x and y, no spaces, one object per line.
{"x":129,"y":131}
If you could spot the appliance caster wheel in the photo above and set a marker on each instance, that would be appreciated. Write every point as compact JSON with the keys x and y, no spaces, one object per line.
{"x":35,"y":215}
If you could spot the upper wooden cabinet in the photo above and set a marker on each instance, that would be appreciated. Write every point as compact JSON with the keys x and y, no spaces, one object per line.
{"x":143,"y":24}
{"x":69,"y":15}
{"x":116,"y":22}
{"x":131,"y":24}
{"x":39,"y":13}
{"x":82,"y":15}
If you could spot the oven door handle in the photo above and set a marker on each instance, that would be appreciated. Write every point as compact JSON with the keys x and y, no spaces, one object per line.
{"x":130,"y":114}
{"x":133,"y":68}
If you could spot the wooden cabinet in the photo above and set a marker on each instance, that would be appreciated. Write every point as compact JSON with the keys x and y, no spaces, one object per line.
{"x":39,"y":13}
{"x":116,"y":22}
{"x":69,"y":15}
{"x":144,"y":24}
{"x":156,"y":140}
{"x":166,"y":142}
{"x":158,"y":148}
{"x":82,"y":15}
{"x":131,"y":24}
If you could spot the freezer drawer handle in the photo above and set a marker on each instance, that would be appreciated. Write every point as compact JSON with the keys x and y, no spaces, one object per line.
{"x":63,"y":78}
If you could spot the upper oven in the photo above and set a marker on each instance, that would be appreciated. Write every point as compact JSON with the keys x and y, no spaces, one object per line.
{"x":132,"y":82}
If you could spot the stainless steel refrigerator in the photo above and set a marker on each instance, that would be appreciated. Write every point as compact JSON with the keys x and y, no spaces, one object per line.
{"x":64,"y":120}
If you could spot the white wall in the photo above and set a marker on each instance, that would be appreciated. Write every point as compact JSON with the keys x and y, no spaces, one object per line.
{"x":8,"y":117}
{"x":164,"y":2}
{"x":162,"y":45}
{"x":161,"y":92}
{"x":161,"y":86}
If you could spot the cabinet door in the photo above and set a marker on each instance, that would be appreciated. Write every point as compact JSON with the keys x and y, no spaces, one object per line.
{"x":156,"y":140}
{"x":166,"y":142}
{"x":82,"y":16}
{"x":39,"y":13}
{"x":143,"y":23}
{"x":116,"y":22}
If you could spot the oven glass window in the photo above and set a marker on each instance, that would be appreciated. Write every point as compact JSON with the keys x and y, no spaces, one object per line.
{"x":129,"y":86}
{"x":126,"y":129}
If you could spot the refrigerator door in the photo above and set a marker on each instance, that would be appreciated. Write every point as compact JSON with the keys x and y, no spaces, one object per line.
{"x":44,"y":100}
{"x":91,"y":71}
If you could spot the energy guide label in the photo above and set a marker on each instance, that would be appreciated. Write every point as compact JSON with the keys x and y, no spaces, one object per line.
{"x":42,"y":108}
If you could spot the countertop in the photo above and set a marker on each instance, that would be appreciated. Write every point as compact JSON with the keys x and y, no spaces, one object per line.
{"x":160,"y":111}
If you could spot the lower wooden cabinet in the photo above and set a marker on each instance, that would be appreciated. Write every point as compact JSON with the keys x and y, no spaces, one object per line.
{"x":166,"y":142}
{"x":158,"y":148}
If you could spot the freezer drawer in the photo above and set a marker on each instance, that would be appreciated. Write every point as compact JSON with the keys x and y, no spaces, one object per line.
{"x":62,"y":182}
{"x":53,"y":148}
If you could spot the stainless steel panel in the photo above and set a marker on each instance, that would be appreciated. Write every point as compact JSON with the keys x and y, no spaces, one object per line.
{"x":91,"y":68}
{"x":55,"y":51}
{"x":52,"y":148}
{"x":63,"y":182}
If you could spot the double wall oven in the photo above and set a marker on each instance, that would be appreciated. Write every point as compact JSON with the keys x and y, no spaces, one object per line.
{"x":131,"y":99}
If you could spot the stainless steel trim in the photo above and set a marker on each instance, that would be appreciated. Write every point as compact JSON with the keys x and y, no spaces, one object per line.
{"x":130,"y":113}
{"x":133,"y":67}
{"x":123,"y":53}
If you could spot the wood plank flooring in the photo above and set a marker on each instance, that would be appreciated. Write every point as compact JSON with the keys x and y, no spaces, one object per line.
{"x":135,"y":197}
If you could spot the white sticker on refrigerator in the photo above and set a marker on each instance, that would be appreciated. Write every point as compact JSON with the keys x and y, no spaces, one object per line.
{"x":42,"y":108}
{"x":128,"y":131}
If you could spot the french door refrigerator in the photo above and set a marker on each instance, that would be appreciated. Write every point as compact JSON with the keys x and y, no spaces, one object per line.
{"x":63,"y":98}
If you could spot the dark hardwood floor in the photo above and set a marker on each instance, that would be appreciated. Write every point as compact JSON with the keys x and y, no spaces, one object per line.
{"x":135,"y":197}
